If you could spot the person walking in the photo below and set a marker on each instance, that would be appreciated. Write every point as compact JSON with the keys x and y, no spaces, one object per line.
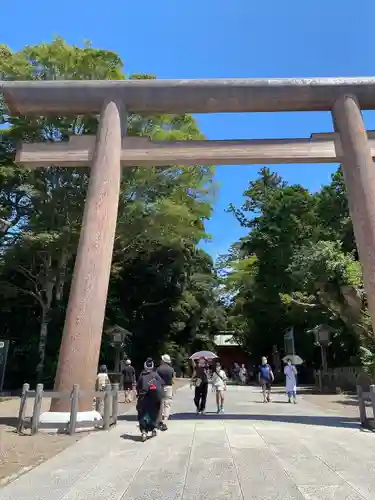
{"x":128,"y":374}
{"x":266,"y":377}
{"x":200,"y":382}
{"x":149,"y":392}
{"x":102,"y":380}
{"x":219,"y":385}
{"x":236,"y":373}
{"x":243,"y":374}
{"x":290,"y":372}
{"x":167,"y":373}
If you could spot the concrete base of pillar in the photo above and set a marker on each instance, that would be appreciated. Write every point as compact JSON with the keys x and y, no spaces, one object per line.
{"x":52,"y":422}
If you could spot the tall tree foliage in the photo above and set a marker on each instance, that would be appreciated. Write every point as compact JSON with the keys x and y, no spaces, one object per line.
{"x":297,"y":267}
{"x":160,"y":221}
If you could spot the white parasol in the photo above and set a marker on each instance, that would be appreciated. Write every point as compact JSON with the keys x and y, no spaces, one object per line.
{"x":294,"y":358}
{"x":203,"y":354}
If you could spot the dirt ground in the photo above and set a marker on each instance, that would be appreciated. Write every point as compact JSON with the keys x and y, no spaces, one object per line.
{"x":344,"y":404}
{"x":20,"y":453}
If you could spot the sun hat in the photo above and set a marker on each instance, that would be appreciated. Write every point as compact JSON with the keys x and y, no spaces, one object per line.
{"x":166,"y":358}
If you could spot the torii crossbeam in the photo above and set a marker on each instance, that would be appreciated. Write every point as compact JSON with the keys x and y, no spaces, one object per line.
{"x":142,"y":152}
{"x":350,"y":145}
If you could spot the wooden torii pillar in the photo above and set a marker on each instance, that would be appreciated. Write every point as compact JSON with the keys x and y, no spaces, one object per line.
{"x":359,"y":174}
{"x":82,"y":334}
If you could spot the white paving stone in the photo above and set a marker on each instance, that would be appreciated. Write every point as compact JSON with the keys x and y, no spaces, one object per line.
{"x":254,"y":451}
{"x":341,"y":492}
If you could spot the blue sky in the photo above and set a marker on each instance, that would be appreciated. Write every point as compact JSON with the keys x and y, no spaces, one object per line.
{"x":213,"y":39}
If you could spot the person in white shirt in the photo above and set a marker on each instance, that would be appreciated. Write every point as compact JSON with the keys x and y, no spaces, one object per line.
{"x":219,"y":385}
{"x":102,"y":378}
{"x":243,"y":374}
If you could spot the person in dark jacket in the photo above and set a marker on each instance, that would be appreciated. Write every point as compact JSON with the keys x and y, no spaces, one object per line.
{"x":128,"y":374}
{"x":200,"y":382}
{"x":149,"y":391}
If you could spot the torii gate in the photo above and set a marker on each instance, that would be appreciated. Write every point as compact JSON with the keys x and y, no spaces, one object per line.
{"x":350,"y":145}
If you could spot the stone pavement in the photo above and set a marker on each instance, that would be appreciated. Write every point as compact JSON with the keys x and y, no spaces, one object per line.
{"x":254,"y":451}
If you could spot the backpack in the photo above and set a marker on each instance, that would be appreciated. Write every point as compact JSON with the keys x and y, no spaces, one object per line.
{"x":265,"y":371}
{"x":151,"y":384}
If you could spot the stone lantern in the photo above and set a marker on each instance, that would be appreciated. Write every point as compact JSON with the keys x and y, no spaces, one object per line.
{"x":118,"y":336}
{"x":322,"y":338}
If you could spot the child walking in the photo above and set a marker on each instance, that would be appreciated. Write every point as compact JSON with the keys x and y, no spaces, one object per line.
{"x":219,"y":385}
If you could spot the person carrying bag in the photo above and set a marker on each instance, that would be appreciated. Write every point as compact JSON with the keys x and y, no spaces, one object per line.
{"x":219,"y":385}
{"x":200,"y":382}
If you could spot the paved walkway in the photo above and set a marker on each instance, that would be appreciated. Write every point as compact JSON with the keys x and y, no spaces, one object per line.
{"x":254,"y":451}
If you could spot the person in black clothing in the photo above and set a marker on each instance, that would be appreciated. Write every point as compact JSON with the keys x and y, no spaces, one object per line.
{"x":150,"y":393}
{"x":128,"y":380}
{"x":200,"y":382}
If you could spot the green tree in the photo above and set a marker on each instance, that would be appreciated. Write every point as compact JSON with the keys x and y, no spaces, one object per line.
{"x":297,"y":266}
{"x":45,"y":205}
{"x":161,"y":208}
{"x":280,"y":218}
{"x":333,"y":212}
{"x":166,"y":298}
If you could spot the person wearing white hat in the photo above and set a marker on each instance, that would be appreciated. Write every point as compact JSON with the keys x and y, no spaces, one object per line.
{"x":128,"y":376}
{"x":167,"y":373}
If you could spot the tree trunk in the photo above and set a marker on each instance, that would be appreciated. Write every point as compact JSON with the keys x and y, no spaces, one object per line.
{"x":61,"y":275}
{"x":43,"y":332}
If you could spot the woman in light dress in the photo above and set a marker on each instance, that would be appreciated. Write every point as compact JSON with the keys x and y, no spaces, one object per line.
{"x":290,"y":373}
{"x":219,"y":385}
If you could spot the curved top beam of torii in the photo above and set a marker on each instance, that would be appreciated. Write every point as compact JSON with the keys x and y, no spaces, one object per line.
{"x":186,"y":96}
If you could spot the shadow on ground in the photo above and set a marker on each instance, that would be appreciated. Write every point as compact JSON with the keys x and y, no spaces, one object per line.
{"x":323,"y":421}
{"x":9,"y":421}
{"x":131,"y":437}
{"x":349,"y":398}
{"x":351,"y":401}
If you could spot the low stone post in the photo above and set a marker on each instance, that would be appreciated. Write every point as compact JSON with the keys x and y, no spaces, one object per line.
{"x":107,"y":408}
{"x":115,"y":393}
{"x":73,"y":409}
{"x":37,"y":409}
{"x":23,"y":407}
{"x":361,"y":406}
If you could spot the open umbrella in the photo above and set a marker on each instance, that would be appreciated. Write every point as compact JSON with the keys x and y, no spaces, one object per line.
{"x":203,"y":354}
{"x":294,"y":358}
